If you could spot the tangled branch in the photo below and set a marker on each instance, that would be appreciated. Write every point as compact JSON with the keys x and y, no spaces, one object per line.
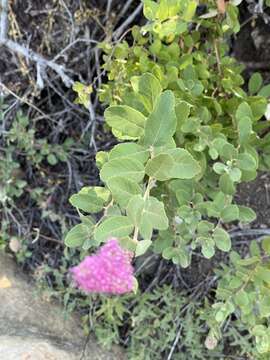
{"x":41,"y":62}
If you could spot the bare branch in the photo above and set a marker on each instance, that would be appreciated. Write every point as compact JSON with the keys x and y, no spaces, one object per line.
{"x":249,"y":232}
{"x":3,"y":88}
{"x":125,"y":8}
{"x":87,"y":41}
{"x":3,"y":20}
{"x":71,"y":20}
{"x":41,"y":62}
{"x":177,"y":337}
{"x":127,"y":22}
{"x":108,"y":9}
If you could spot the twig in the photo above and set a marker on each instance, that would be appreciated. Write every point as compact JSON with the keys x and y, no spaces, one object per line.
{"x":71,"y":20}
{"x":88,"y":41}
{"x":127,"y":22}
{"x":175,"y":342}
{"x":3,"y":20}
{"x":217,"y":56}
{"x":110,"y":56}
{"x":91,"y":125}
{"x":108,"y":9}
{"x":24,"y":101}
{"x":249,"y":232}
{"x":13,"y":46}
{"x":125,"y":8}
{"x":145,"y":262}
{"x":40,"y":60}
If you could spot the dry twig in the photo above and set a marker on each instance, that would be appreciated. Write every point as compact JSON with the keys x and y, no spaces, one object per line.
{"x":41,"y":62}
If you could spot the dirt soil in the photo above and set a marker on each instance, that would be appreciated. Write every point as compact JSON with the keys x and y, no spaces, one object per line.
{"x":256,"y":195}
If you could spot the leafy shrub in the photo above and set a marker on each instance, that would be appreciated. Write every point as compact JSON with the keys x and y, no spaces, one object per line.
{"x":148,"y":323}
{"x":23,"y":149}
{"x":244,"y":290}
{"x":189,"y":134}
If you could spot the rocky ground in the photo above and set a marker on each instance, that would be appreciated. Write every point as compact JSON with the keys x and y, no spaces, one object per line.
{"x":32,"y":328}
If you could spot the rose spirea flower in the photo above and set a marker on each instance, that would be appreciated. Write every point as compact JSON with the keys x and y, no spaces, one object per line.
{"x":108,"y":271}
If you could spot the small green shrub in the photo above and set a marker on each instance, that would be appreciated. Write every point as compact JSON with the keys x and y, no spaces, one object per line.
{"x":148,"y":323}
{"x":244,"y":290}
{"x":22,"y":149}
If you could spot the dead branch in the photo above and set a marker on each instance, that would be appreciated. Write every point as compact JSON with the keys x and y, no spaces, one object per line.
{"x":127,"y":22}
{"x":41,"y":62}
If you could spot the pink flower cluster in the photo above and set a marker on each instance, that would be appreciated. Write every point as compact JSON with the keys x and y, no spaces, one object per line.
{"x":109,"y":271}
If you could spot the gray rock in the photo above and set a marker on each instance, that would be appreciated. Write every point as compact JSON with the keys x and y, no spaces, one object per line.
{"x":34,"y":329}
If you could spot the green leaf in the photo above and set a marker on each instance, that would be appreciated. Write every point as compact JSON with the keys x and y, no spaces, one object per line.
{"x":248,"y":261}
{"x":266,"y":245}
{"x":123,"y":189}
{"x":113,"y":210}
{"x":228,"y":152}
{"x":182,"y":110}
{"x":136,"y":285}
{"x":263,"y":273}
{"x":244,"y":129}
{"x":130,"y":150}
{"x":167,"y":9}
{"x":265,"y":91}
{"x":77,"y":236}
{"x":222,"y":239}
{"x":258,"y":107}
{"x":241,"y":299}
{"x":164,"y":148}
{"x":161,"y":123}
{"x":246,"y":162}
{"x":159,"y":167}
{"x":246,"y":214}
{"x":142,"y":247}
{"x":190,"y":10}
{"x":90,"y":198}
{"x":204,"y":227}
{"x":230,"y":213}
{"x":169,"y":253}
{"x":242,"y":111}
{"x":127,"y":243}
{"x":264,"y":306}
{"x":235,"y":283}
{"x":235,"y":174}
{"x":126,"y":120}
{"x":115,"y":226}
{"x":148,"y":86}
{"x":208,"y":246}
{"x":164,"y":240}
{"x":134,"y":211}
{"x":191,"y":125}
{"x":254,"y":248}
{"x":52,"y":159}
{"x":124,"y":167}
{"x":150,"y":9}
{"x":262,"y":338}
{"x":185,"y":166}
{"x":255,"y":83}
{"x":101,"y":158}
{"x":147,"y":213}
{"x":224,"y":310}
{"x":219,"y":168}
{"x":226,"y":185}
{"x":182,"y":257}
